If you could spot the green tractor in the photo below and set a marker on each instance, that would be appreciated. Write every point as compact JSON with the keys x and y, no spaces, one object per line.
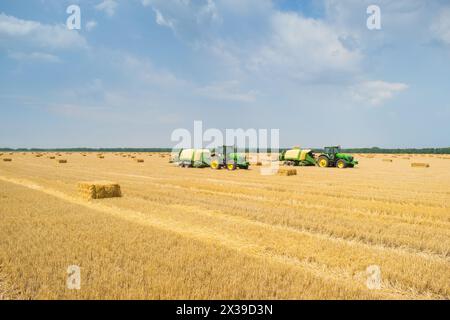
{"x":332,"y":157}
{"x":228,"y":157}
{"x":298,"y":157}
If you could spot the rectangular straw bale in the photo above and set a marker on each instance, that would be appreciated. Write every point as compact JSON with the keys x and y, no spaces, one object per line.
{"x":99,"y":189}
{"x":62,"y":161}
{"x":287,"y":172}
{"x":420,"y":165}
{"x":139,"y":160}
{"x":7,"y":159}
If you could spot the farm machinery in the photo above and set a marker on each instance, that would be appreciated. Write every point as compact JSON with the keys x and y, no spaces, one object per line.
{"x":228,"y":157}
{"x":217,"y":158}
{"x":333,"y":157}
{"x":298,"y":157}
{"x":192,"y":158}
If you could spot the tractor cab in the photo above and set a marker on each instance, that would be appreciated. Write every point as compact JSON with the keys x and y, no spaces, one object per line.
{"x":332,"y":151}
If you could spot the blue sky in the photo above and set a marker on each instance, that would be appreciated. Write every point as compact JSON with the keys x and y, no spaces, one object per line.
{"x":138,"y":69}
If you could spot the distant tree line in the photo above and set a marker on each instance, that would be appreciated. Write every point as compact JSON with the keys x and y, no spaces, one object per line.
{"x":87,"y":150}
{"x":349,"y":150}
{"x":399,"y":150}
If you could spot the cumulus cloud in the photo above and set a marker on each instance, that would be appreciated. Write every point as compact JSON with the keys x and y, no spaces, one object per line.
{"x":440,"y":28}
{"x":160,"y":20}
{"x":34,"y":56}
{"x":303,"y":48}
{"x":15,"y":31}
{"x":402,"y":22}
{"x":376,"y":93}
{"x":208,"y":12}
{"x":107,"y":6}
{"x":90,"y":25}
{"x":188,"y":19}
{"x":229,"y":90}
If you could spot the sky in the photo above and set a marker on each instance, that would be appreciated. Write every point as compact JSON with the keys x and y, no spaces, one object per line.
{"x":139,"y":69}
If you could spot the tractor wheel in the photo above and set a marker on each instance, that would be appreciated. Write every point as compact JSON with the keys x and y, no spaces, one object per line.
{"x":231,"y":166}
{"x":215,"y":165}
{"x":323,"y":162}
{"x":341,"y":164}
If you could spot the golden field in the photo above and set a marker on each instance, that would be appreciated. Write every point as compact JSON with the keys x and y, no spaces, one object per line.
{"x":204,"y":234}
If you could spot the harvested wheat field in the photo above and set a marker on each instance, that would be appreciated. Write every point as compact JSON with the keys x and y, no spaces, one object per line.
{"x":214,"y":234}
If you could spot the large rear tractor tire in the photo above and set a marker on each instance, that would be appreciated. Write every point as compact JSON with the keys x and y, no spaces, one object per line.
{"x":323,"y":162}
{"x":341,"y":164}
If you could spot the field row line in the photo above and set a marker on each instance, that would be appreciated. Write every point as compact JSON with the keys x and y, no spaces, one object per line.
{"x":306,"y":188}
{"x":308,"y":205}
{"x":203,"y":234}
{"x":287,"y":203}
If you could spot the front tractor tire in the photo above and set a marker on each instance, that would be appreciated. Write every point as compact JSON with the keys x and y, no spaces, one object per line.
{"x":231,"y":166}
{"x":215,"y":165}
{"x":341,"y":164}
{"x":323,"y":162}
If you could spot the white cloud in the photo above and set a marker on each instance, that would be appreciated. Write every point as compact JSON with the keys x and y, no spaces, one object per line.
{"x":34,"y":56}
{"x":26,"y":32}
{"x":108,"y":6}
{"x":230,"y":90}
{"x":440,"y":28}
{"x":208,"y":12}
{"x":402,"y":22}
{"x":12,"y":26}
{"x":303,"y":48}
{"x":146,"y":73}
{"x":90,"y":25}
{"x":189,"y":20}
{"x":248,"y":7}
{"x":376,"y":93}
{"x":160,"y":20}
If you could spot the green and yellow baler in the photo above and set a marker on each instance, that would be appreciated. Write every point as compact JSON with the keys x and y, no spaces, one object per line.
{"x":298,"y":157}
{"x":193,"y":158}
